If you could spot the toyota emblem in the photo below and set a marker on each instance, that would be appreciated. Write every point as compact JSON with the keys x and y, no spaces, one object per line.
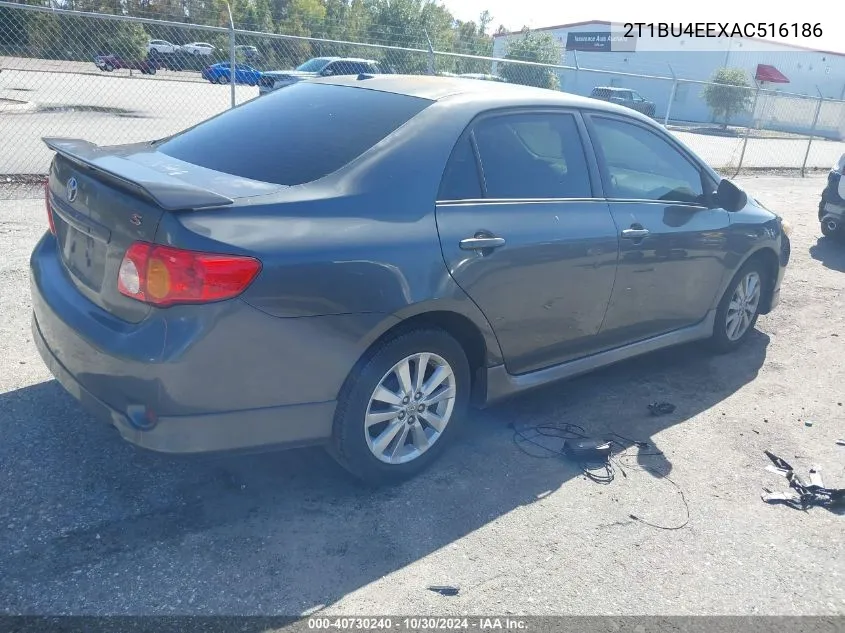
{"x":72,"y":189}
{"x":135,"y":219}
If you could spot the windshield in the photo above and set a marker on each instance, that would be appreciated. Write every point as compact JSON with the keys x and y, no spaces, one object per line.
{"x":313,"y":65}
{"x":295,"y":135}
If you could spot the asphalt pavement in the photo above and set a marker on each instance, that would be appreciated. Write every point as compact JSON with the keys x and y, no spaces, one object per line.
{"x":96,"y":526}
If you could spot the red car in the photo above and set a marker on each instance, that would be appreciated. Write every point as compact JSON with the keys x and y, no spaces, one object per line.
{"x":108,"y":63}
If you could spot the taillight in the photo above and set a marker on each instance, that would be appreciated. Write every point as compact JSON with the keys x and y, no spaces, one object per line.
{"x":163,"y":276}
{"x":49,"y":207}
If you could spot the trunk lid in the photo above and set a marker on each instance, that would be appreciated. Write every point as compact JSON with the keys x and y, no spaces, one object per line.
{"x":104,"y":199}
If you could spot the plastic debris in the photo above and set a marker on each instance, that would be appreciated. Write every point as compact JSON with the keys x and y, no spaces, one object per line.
{"x":444,"y":590}
{"x":661,"y":408}
{"x":803,"y":495}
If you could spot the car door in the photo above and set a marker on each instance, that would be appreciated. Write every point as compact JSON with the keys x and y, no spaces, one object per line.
{"x":638,"y":103}
{"x":334,"y":68}
{"x":673,"y":237}
{"x":524,"y":235}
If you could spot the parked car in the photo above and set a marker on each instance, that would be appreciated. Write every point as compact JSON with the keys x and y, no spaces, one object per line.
{"x":163,"y":47}
{"x":222,"y":74}
{"x":832,"y":205}
{"x":483,"y":77}
{"x":318,"y":67}
{"x":624,"y":97}
{"x":199,"y":48}
{"x":249,"y":53}
{"x":109,"y":63}
{"x":353,"y":261}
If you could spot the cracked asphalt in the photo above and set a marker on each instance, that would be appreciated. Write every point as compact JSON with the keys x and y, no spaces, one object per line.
{"x":92,"y":525}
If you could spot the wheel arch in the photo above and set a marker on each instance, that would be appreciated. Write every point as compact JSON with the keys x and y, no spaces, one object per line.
{"x":770,"y":261}
{"x":472,"y":331}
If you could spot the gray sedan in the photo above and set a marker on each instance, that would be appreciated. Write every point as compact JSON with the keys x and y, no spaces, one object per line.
{"x":354,"y":261}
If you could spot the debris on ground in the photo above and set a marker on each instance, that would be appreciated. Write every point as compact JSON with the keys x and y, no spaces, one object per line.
{"x":444,"y":590}
{"x":803,"y":495}
{"x":808,"y":423}
{"x":840,"y":442}
{"x":661,"y":408}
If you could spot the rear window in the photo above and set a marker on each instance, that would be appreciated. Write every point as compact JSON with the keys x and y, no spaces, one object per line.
{"x":295,"y":135}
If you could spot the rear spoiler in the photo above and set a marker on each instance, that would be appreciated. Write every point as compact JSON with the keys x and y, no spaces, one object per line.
{"x":170,"y":193}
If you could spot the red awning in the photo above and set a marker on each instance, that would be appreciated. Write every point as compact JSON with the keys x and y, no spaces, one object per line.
{"x":770,"y":73}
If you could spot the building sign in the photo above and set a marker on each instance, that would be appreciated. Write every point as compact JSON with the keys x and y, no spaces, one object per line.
{"x":600,"y":41}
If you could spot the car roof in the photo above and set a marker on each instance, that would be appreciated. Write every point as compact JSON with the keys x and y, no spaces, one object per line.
{"x":437,"y":88}
{"x":348,"y":59}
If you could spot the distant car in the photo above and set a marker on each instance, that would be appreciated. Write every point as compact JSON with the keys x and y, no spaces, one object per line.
{"x":221,"y":73}
{"x":249,"y":52}
{"x":319,"y":67}
{"x":832,"y":205}
{"x":353,"y":261}
{"x":199,"y":48}
{"x":624,"y":97}
{"x":483,"y":77}
{"x":162,"y":46}
{"x":109,"y":63}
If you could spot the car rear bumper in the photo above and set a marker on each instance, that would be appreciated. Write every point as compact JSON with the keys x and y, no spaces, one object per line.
{"x":833,"y":197}
{"x":194,"y":378}
{"x":286,"y":426}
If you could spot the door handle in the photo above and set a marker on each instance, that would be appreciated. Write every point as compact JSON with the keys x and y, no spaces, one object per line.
{"x":634,"y":234}
{"x":481,"y":243}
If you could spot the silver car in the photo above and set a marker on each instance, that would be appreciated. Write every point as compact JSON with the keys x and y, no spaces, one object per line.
{"x":318,"y":67}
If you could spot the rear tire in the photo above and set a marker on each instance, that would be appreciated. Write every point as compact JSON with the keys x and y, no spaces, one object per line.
{"x":383,"y":441}
{"x":739,"y":308}
{"x":828,"y":232}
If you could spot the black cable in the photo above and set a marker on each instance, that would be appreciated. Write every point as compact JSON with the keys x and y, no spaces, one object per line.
{"x":593,"y":471}
{"x":668,"y":527}
{"x":658,"y":473}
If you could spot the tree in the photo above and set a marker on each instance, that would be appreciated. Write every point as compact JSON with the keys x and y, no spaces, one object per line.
{"x":728,"y":94}
{"x":128,"y":40}
{"x":472,"y":39}
{"x":532,"y":47}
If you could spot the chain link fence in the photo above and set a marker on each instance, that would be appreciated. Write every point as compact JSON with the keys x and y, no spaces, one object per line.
{"x":113,"y":79}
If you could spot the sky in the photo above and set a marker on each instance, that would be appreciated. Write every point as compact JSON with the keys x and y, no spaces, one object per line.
{"x":514,"y":14}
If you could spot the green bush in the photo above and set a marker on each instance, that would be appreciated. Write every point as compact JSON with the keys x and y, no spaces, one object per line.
{"x":728,"y":95}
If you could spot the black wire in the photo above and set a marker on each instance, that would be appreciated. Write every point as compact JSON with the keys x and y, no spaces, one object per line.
{"x":604,"y":472}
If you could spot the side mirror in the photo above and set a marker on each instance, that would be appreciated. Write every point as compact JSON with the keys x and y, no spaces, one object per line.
{"x":328,"y":72}
{"x":730,"y":197}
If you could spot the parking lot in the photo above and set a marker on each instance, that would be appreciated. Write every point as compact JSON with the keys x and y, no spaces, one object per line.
{"x":95,"y":526}
{"x":73,"y":99}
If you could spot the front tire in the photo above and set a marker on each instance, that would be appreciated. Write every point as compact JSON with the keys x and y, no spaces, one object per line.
{"x":834,"y":231}
{"x":739,"y":308}
{"x":401,"y":407}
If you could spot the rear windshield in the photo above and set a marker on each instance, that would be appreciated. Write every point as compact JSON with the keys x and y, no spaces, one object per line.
{"x":296,"y":134}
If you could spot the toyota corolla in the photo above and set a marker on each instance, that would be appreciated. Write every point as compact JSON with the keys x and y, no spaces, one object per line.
{"x":354,"y":261}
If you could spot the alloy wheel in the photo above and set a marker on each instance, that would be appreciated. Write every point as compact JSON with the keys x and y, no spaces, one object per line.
{"x":410,"y":408}
{"x":743,"y":306}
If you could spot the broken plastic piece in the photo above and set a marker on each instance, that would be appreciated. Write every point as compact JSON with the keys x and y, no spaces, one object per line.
{"x":816,"y":477}
{"x":777,"y":471}
{"x":804,"y":495}
{"x":774,"y":497}
{"x":444,"y":590}
{"x":661,"y":408}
